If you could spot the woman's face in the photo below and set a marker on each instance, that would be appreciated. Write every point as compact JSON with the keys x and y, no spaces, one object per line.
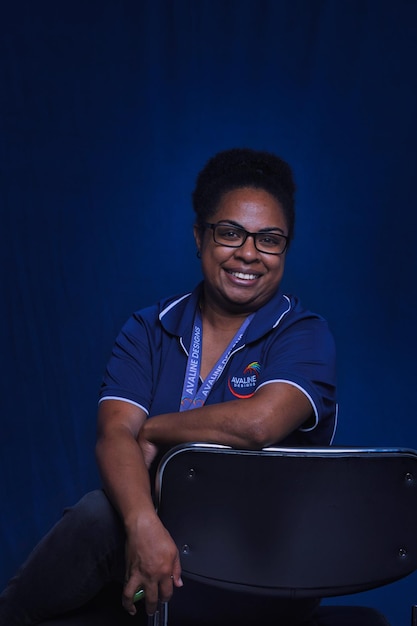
{"x":241,"y":280}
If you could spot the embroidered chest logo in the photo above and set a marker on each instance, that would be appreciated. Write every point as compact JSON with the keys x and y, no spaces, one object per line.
{"x":245,"y":386}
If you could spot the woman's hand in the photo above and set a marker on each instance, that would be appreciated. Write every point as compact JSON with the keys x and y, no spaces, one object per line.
{"x":152,"y":563}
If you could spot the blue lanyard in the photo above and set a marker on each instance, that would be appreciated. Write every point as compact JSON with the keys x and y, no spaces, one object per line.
{"x":193,"y":396}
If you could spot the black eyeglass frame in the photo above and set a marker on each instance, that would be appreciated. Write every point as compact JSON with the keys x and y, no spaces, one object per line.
{"x":247,"y":234}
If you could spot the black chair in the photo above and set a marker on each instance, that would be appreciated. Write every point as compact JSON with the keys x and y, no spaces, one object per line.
{"x":288,"y":525}
{"x":279,"y":527}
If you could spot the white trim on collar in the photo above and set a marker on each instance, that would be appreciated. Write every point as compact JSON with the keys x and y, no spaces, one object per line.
{"x":172,"y":305}
{"x":284,"y":312}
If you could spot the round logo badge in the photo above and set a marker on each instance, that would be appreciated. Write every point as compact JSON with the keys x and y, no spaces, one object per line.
{"x":244,"y":386}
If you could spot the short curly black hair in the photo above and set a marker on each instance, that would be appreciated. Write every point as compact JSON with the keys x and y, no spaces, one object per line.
{"x":244,"y":167}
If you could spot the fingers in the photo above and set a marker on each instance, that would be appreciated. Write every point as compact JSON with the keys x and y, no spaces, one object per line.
{"x":157,"y":582}
{"x":166,"y":586}
{"x":130,"y":588}
{"x":152,"y":594}
{"x":151,"y":598}
{"x":176,"y":572}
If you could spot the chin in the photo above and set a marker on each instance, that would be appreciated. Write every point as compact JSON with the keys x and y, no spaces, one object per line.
{"x":244,"y":305}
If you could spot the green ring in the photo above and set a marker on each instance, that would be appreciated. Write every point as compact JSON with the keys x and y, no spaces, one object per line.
{"x":139,"y":595}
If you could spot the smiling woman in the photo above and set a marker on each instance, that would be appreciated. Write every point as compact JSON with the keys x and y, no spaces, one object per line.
{"x":235,"y":362}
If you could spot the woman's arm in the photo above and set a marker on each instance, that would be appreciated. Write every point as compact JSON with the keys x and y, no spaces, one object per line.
{"x":276,"y":410}
{"x":151,"y":555}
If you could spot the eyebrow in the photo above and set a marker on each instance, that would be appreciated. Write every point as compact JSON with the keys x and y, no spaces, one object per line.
{"x":267,"y":229}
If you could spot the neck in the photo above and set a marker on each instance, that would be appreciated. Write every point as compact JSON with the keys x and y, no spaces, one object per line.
{"x":220,"y":319}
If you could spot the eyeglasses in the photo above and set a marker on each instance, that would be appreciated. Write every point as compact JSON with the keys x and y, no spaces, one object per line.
{"x":234,"y":237}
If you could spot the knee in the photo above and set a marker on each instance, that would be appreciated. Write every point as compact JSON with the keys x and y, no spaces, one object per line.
{"x":95,"y":513}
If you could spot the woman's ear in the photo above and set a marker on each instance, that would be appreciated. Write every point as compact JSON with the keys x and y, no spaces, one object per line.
{"x":198,"y":238}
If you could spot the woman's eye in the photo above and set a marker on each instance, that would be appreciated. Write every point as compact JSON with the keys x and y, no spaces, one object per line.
{"x":269,"y":240}
{"x":229,"y":233}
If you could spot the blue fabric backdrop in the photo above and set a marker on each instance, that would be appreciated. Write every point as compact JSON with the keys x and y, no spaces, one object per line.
{"x":108,"y":109}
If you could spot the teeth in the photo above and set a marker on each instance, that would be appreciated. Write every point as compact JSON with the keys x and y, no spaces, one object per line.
{"x":244,"y":276}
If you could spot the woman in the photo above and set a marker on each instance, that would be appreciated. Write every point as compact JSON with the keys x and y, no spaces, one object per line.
{"x":235,"y":362}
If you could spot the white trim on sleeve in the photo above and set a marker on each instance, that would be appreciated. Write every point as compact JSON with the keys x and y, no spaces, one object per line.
{"x":290,"y":382}
{"x":124,"y":400}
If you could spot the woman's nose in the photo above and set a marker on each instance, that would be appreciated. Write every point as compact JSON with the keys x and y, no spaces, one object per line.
{"x":248,"y":249}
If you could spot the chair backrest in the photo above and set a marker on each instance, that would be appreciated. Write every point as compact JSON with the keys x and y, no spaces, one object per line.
{"x":291,"y":522}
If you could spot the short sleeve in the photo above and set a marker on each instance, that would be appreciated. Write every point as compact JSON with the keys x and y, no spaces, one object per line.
{"x":128,"y":374}
{"x":303,"y":354}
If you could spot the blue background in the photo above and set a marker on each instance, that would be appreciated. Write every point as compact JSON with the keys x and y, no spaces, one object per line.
{"x":108,"y":109}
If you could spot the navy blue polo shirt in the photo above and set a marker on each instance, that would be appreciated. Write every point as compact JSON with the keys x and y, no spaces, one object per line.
{"x":283,"y":343}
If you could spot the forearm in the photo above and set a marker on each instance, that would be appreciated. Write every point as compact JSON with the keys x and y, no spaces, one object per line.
{"x":215,"y":424}
{"x":266,"y":418}
{"x":125,"y":475}
{"x":152,"y":559}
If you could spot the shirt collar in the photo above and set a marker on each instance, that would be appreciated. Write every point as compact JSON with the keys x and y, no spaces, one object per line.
{"x":177,"y":315}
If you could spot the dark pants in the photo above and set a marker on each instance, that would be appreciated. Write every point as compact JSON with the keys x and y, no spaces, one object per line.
{"x":84,"y":552}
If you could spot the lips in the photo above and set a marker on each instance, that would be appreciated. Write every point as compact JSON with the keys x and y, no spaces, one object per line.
{"x":243,"y":275}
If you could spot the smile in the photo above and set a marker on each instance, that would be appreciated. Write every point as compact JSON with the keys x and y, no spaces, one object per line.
{"x":244,"y":276}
